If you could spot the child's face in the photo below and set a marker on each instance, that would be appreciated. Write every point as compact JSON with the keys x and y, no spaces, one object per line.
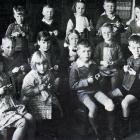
{"x":137,"y":12}
{"x":44,"y":45}
{"x":80,"y":8}
{"x":8,"y":48}
{"x":48,"y":13}
{"x":134,"y":48}
{"x":41,"y":67}
{"x":73,"y":39}
{"x":84,"y":53}
{"x":107,"y":33}
{"x":19,"y":18}
{"x":109,"y":7}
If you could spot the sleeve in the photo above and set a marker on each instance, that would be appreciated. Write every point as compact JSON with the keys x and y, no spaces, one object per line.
{"x":99,"y":23}
{"x":70,"y":26}
{"x":29,"y":89}
{"x":97,"y":55}
{"x":128,"y":32}
{"x":74,"y":81}
{"x":120,"y":60}
{"x":121,"y":26}
{"x":9,"y":30}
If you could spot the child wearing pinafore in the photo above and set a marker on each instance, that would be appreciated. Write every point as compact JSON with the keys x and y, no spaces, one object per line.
{"x":38,"y":88}
{"x":13,"y":114}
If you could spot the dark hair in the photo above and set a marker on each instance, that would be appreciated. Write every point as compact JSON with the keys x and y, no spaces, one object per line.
{"x":110,"y":1}
{"x":85,"y":43}
{"x":19,"y":10}
{"x":71,"y":32}
{"x":107,"y":25}
{"x":134,"y":38}
{"x":75,"y":3}
{"x":45,"y":35}
{"x":49,"y":5}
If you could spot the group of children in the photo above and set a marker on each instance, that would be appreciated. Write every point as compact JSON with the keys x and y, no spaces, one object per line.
{"x":31,"y":78}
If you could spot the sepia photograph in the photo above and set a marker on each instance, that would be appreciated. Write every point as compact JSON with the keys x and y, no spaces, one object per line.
{"x":69,"y":70}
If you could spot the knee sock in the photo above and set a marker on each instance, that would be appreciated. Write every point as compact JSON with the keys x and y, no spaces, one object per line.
{"x":93,"y":125}
{"x":111,"y":119}
{"x":125,"y":126}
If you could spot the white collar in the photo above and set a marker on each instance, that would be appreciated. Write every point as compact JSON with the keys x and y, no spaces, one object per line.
{"x":81,"y":63}
{"x":46,"y":21}
{"x":112,"y":17}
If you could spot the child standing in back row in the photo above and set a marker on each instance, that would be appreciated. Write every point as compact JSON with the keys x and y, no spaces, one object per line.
{"x":134,"y":26}
{"x":109,"y":16}
{"x":20,"y":32}
{"x":79,"y":21}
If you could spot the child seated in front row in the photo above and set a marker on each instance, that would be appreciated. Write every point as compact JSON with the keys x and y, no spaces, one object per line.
{"x":39,"y":88}
{"x":84,"y":80}
{"x":130,"y":90}
{"x":14,"y":66}
{"x":108,"y":56}
{"x":13,"y":114}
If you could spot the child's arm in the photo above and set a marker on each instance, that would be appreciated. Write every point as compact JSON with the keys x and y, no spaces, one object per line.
{"x":9,"y":30}
{"x":90,"y":28}
{"x":100,"y":22}
{"x":29,"y":88}
{"x":70,"y":26}
{"x":75,"y":82}
{"x":97,"y":54}
{"x":119,"y":61}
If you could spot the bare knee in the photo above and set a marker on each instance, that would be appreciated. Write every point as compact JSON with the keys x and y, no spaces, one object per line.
{"x":124,"y":104}
{"x":21,"y":123}
{"x":109,"y":105}
{"x":29,"y":117}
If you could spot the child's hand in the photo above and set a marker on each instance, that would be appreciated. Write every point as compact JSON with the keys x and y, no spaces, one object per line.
{"x":110,"y":63}
{"x":22,"y":34}
{"x":126,"y":68}
{"x":15,"y":34}
{"x":45,"y":95}
{"x":118,"y":24}
{"x":131,"y":71}
{"x":99,"y":33}
{"x":104,"y":63}
{"x":56,"y":67}
{"x":41,"y":87}
{"x":22,"y":68}
{"x":55,"y":32}
{"x":115,"y":29}
{"x":2,"y":90}
{"x":90,"y":28}
{"x":16,"y":69}
{"x":90,"y":80}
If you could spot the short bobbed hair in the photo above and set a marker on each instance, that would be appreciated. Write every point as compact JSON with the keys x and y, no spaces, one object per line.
{"x":38,"y":57}
{"x":75,"y":3}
